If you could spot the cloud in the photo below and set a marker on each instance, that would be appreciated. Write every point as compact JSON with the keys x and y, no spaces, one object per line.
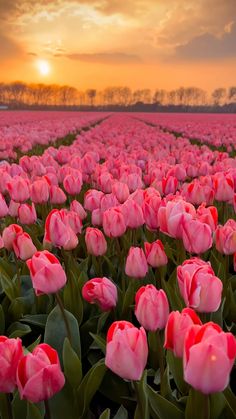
{"x":9,"y":47}
{"x":209,"y":47}
{"x":104,"y":58}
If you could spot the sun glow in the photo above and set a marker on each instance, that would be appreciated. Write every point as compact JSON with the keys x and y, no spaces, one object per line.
{"x":43,"y":67}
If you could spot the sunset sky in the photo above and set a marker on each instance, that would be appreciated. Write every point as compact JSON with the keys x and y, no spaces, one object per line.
{"x":138,"y":43}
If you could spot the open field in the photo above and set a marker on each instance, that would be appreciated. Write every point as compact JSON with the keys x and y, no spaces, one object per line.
{"x":117,"y":265}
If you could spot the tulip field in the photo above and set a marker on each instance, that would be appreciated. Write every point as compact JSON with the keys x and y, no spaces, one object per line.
{"x":117,"y":265}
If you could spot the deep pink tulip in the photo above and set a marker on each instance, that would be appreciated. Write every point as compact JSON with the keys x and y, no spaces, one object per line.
{"x":136,"y":263}
{"x":127,"y":350}
{"x":95,"y":241}
{"x":199,"y":287}
{"x":197,"y":236}
{"x":23,"y":246}
{"x":39,"y":374}
{"x":176,"y":329}
{"x":58,"y":231}
{"x":155,"y":254}
{"x":151,"y":308}
{"x":9,"y":234}
{"x":209,"y":355}
{"x":101,"y":291}
{"x":11,"y":352}
{"x":46,"y":273}
{"x":114,"y":222}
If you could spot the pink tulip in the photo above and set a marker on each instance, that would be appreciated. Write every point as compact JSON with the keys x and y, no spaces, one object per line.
{"x":209,"y":355}
{"x":3,"y":207}
{"x":197,"y":236}
{"x":11,"y":352}
{"x":39,"y":191}
{"x":39,"y":374}
{"x":176,"y":328}
{"x":150,"y":208}
{"x":13,"y":208}
{"x":23,"y":246}
{"x":18,"y":189}
{"x":225,"y":237}
{"x":57,"y":196}
{"x":127,"y":350}
{"x":208,"y":216}
{"x":95,"y":241}
{"x":58,"y":231}
{"x":114,"y":222}
{"x":172,"y":216}
{"x":169,"y":185}
{"x":133,"y":214}
{"x":9,"y":234}
{"x":77,"y":207}
{"x":121,"y":191}
{"x":151,"y":307}
{"x":101,"y":291}
{"x":155,"y":254}
{"x":92,"y":199}
{"x":199,"y":286}
{"x":136,"y":264}
{"x":97,"y":217}
{"x":27,"y":214}
{"x":46,"y":273}
{"x":73,"y":183}
{"x":224,"y":187}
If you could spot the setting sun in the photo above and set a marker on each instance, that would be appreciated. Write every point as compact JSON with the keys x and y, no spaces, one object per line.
{"x":43,"y":67}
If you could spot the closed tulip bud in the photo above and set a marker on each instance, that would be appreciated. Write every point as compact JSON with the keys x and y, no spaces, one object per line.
{"x":3,"y":207}
{"x":224,"y":187}
{"x":92,"y":199}
{"x":39,"y":191}
{"x":13,"y":208}
{"x":11,"y":352}
{"x":57,"y":196}
{"x":136,"y":264}
{"x":208,"y":216}
{"x":58,"y":231}
{"x":209,"y":355}
{"x":169,"y":185}
{"x":46,"y":273}
{"x":23,"y":246}
{"x":225,"y":237}
{"x":95,"y":241}
{"x":9,"y":234}
{"x":121,"y":191}
{"x":197,"y":236}
{"x":97,"y":217}
{"x":100,"y":291}
{"x":199,"y":287}
{"x":176,"y":328}
{"x":73,"y":183}
{"x":77,"y":207}
{"x":27,"y":214}
{"x":114,"y":222}
{"x":155,"y":254}
{"x":39,"y":374}
{"x":150,"y":208}
{"x":133,"y":214}
{"x":127,"y":350}
{"x":151,"y":308}
{"x":18,"y":189}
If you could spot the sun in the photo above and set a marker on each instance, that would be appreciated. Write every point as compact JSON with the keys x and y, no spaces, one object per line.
{"x":43,"y":67}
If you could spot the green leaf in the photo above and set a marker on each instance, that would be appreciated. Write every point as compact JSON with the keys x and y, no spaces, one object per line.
{"x":2,"y":321}
{"x":9,"y":286}
{"x":176,"y":368}
{"x":122,"y":413}
{"x":33,"y":412}
{"x":17,"y":330}
{"x":33,"y":345}
{"x":72,"y":365}
{"x":217,"y":405}
{"x":162,"y":408}
{"x":142,"y":409}
{"x":198,"y":405}
{"x":55,"y":331}
{"x":63,"y":404}
{"x":90,"y":385}
{"x":72,"y":298}
{"x":35,"y":319}
{"x":106,"y":414}
{"x":19,"y":407}
{"x":101,"y":343}
{"x":231,"y":402}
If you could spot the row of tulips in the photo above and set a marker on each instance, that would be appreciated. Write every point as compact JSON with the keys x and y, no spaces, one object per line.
{"x":119,"y":255}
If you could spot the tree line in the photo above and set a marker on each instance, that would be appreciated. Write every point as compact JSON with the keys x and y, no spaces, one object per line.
{"x":19,"y":95}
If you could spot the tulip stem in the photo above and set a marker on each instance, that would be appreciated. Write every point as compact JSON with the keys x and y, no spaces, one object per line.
{"x":60,"y":303}
{"x":47,"y":410}
{"x":160,"y":358}
{"x":9,"y":409}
